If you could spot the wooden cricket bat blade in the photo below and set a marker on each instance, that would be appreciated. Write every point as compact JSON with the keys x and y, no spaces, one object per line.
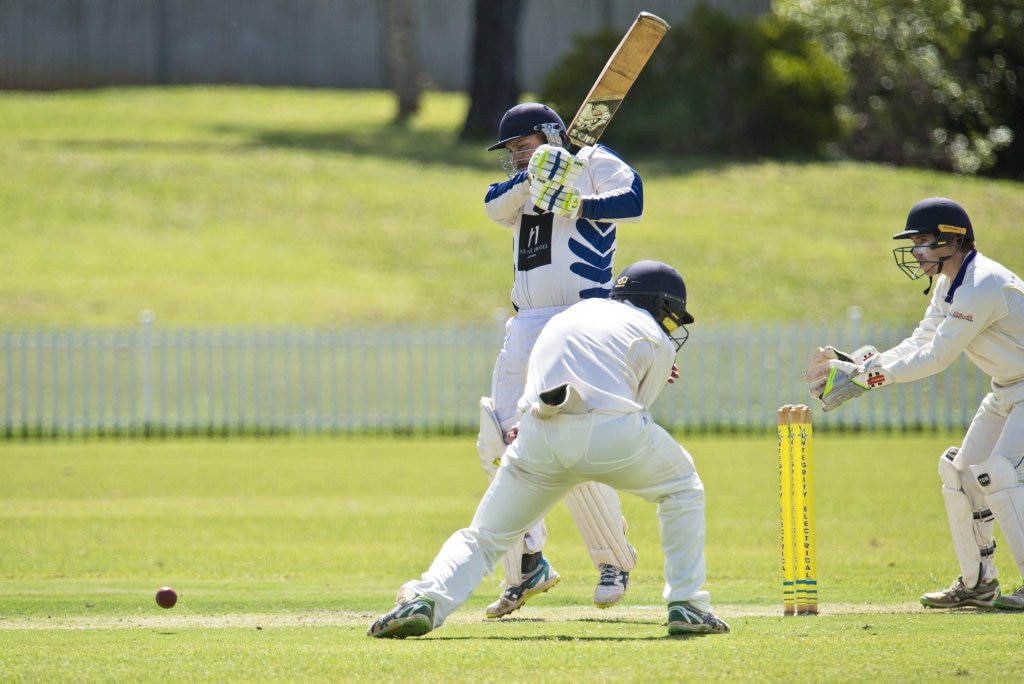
{"x":615,"y":80}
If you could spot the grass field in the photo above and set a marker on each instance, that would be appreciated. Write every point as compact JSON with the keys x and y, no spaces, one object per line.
{"x":223,"y":206}
{"x":235,"y":206}
{"x":284,"y":550}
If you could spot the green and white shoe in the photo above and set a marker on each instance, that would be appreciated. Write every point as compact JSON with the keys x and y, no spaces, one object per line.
{"x":410,"y":619}
{"x":513,"y":598}
{"x":685,"y":619}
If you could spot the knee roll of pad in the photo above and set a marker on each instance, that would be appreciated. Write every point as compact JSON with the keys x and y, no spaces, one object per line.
{"x":950,"y":475}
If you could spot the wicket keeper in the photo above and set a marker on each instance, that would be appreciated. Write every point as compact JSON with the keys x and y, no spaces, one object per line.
{"x":977,"y":308}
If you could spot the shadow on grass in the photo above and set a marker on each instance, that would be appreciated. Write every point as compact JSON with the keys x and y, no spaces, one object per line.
{"x":443,"y":148}
{"x":568,"y":637}
{"x":654,"y":624}
{"x":386,"y":141}
{"x":429,"y":148}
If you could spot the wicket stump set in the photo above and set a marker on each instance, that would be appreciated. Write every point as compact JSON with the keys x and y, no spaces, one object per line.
{"x":796,"y":488}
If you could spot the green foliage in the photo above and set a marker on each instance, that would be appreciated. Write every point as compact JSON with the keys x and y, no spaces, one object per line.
{"x":994,"y":66}
{"x":934,"y":83}
{"x":718,"y":84}
{"x":284,"y":550}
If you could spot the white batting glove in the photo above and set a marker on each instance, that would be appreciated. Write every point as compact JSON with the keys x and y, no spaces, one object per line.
{"x":557,"y":199}
{"x":555,"y":165}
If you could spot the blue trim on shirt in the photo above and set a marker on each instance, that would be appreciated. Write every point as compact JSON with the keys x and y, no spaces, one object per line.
{"x":627,"y":205}
{"x":959,"y":279}
{"x":499,"y":189}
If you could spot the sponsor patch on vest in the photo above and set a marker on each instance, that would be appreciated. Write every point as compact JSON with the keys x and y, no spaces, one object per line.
{"x":534,"y":241}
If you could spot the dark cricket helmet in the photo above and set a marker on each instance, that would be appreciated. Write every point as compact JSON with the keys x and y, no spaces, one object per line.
{"x":529,"y":118}
{"x":938,"y":216}
{"x":656,"y":288}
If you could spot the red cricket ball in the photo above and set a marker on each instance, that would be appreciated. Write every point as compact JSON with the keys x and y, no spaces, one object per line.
{"x":166,"y":597}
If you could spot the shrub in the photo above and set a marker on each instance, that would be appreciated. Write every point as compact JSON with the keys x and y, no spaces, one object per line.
{"x":718,"y":84}
{"x":934,"y":83}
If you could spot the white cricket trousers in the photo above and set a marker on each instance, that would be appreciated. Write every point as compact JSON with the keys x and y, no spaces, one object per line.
{"x":628,"y":452}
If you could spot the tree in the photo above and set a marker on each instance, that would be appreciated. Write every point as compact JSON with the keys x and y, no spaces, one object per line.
{"x":494,"y":82}
{"x":935,"y":83}
{"x":402,"y":48}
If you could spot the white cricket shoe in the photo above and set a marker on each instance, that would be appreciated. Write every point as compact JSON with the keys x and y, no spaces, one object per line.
{"x":611,"y":587}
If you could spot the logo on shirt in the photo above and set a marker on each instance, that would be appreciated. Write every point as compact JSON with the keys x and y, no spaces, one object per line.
{"x":534,"y":241}
{"x":962,"y":316}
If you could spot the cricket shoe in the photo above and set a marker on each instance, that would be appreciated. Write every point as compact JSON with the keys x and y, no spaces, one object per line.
{"x":612,"y":586}
{"x":539,"y":581}
{"x":958,"y":595}
{"x":410,"y":619}
{"x":1014,"y":601}
{"x":685,"y":619}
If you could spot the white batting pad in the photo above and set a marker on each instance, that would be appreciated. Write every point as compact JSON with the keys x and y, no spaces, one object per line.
{"x":490,"y":443}
{"x":968,"y":532}
{"x":1005,"y":496}
{"x":598,"y":514}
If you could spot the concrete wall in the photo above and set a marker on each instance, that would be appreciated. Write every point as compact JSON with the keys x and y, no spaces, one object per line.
{"x":50,"y":44}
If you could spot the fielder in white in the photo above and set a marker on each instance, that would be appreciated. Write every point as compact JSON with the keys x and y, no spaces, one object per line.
{"x":977,"y":309}
{"x":595,"y":371}
{"x":563,"y":211}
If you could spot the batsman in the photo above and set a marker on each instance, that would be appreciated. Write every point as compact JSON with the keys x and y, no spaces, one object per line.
{"x":977,"y":309}
{"x":563,"y":211}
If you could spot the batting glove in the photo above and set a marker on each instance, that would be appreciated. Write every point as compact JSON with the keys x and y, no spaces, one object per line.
{"x":555,"y":165}
{"x":557,"y":199}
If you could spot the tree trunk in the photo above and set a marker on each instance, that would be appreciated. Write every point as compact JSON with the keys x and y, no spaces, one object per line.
{"x":494,"y":83}
{"x":402,"y":49}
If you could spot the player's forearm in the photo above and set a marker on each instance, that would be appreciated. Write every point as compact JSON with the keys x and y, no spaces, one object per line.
{"x":504,"y":201}
{"x":625,"y":205}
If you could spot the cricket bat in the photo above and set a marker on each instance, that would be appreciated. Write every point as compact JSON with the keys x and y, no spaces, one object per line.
{"x":615,"y":80}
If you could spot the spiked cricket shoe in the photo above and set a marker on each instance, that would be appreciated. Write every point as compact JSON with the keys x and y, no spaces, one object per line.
{"x":685,"y":619}
{"x":959,"y":595}
{"x":1014,"y":601}
{"x":513,"y":598}
{"x":410,"y":619}
{"x":611,"y":587}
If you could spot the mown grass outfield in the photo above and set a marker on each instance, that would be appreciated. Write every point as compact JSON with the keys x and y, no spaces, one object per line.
{"x":224,"y":206}
{"x":284,"y":550}
{"x":234,"y":206}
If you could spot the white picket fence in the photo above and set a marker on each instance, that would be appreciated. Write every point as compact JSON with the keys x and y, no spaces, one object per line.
{"x":153,"y":380}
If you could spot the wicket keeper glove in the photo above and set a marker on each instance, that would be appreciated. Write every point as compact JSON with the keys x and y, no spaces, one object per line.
{"x":555,"y":165}
{"x":818,"y":369}
{"x":846,"y":380}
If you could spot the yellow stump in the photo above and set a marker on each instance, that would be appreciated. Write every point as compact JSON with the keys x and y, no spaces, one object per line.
{"x":796,"y":490}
